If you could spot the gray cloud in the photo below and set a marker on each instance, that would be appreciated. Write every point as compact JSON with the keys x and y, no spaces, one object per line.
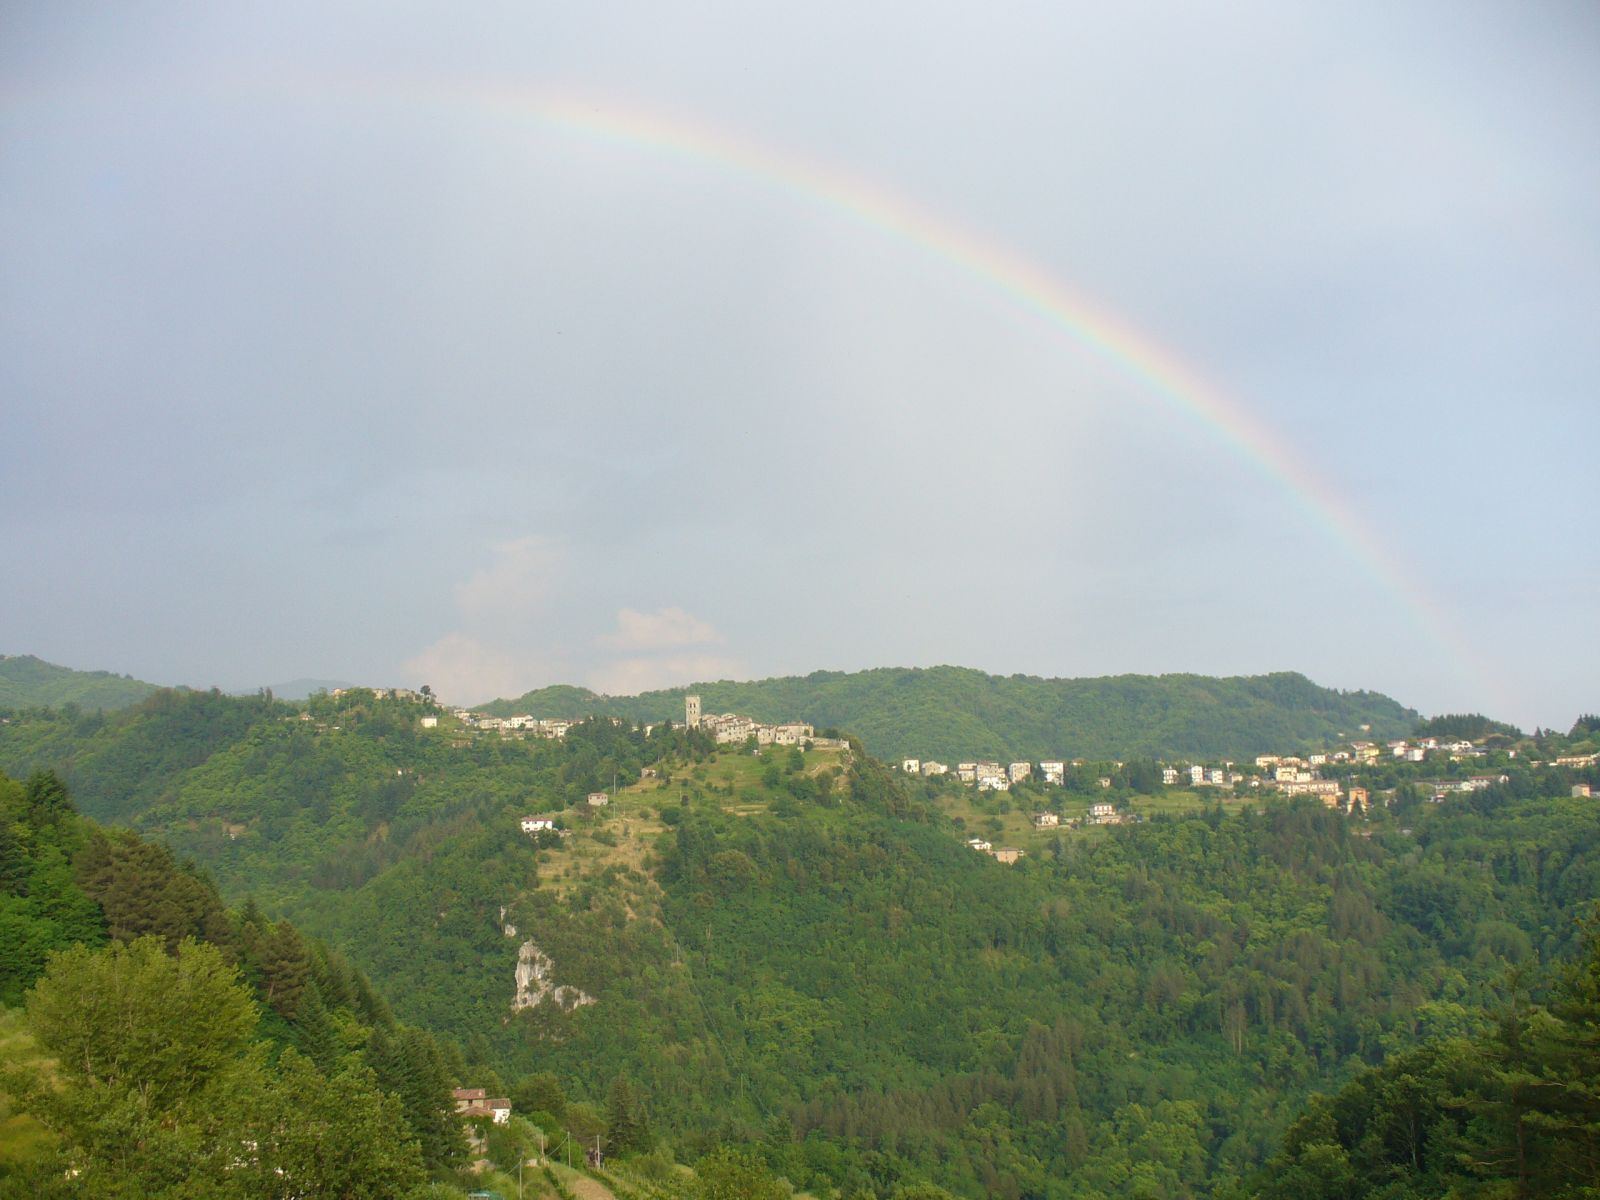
{"x":322,"y":353}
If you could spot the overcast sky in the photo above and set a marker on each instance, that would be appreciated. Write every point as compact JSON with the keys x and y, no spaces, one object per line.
{"x":635,"y":344}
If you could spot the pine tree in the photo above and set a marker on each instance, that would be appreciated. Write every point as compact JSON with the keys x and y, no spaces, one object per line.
{"x":285,"y":965}
{"x":314,"y":1030}
{"x":627,"y":1128}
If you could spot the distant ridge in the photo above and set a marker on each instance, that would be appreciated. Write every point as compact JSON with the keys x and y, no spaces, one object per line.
{"x":956,"y":712}
{"x":30,"y":682}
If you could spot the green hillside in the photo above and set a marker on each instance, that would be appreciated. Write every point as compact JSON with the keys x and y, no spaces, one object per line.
{"x":29,"y":682}
{"x":157,"y":1033}
{"x":795,"y":952}
{"x":952,"y":713}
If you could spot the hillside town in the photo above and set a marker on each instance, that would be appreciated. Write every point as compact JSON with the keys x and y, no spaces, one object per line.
{"x":726,"y":729}
{"x":1339,"y":778}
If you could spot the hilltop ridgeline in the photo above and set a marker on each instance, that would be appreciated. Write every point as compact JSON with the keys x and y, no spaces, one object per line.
{"x":956,"y":712}
{"x":29,"y":682}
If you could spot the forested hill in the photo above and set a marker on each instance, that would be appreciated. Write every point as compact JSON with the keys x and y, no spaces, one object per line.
{"x":796,"y":951}
{"x":956,"y":712}
{"x":29,"y":682}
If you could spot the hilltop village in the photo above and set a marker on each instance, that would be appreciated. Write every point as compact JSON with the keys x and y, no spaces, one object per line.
{"x":726,"y":729}
{"x":1349,"y":778}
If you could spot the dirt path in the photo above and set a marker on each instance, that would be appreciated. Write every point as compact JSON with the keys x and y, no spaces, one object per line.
{"x":582,"y":1186}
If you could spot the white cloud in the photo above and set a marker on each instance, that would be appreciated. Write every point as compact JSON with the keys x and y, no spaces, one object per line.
{"x":517,"y":579}
{"x":664,"y":629}
{"x":462,"y":670}
{"x":500,"y":646}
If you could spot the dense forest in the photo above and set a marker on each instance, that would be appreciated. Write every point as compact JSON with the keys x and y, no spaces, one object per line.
{"x":952,"y":713}
{"x":1508,"y":1104}
{"x":791,"y":966}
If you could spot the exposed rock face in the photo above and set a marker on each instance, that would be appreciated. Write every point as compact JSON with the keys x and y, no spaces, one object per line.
{"x":535,"y":973}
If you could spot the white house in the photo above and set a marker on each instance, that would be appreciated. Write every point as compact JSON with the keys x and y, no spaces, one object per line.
{"x":535,"y":824}
{"x":991,"y":776}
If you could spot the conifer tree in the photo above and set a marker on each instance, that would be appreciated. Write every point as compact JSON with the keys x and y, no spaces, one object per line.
{"x":627,"y":1128}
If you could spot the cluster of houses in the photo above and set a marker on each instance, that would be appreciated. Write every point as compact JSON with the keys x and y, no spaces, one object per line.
{"x":733,"y":729}
{"x":540,"y":727}
{"x":990,"y":776}
{"x":1286,"y":774}
{"x":724,"y":728}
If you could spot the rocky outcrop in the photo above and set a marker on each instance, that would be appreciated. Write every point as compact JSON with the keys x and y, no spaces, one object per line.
{"x":536,"y":983}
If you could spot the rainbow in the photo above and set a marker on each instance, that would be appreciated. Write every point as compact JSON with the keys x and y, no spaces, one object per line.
{"x":1158,"y":375}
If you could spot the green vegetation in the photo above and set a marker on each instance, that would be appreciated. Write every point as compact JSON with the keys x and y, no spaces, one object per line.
{"x":172,"y":1048}
{"x":162,"y":1089}
{"x":1509,"y":1105}
{"x":29,"y":682}
{"x":787,"y":965}
{"x":952,"y":713}
{"x":1473,"y":726}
